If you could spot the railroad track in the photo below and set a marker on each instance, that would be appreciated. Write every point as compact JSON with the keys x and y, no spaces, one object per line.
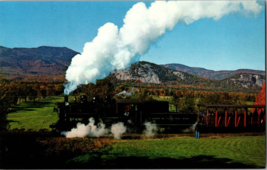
{"x":47,"y":133}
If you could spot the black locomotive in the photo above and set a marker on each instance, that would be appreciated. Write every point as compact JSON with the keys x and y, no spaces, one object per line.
{"x":130,"y":111}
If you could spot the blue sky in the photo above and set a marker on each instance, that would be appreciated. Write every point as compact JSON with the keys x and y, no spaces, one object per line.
{"x":233,"y":42}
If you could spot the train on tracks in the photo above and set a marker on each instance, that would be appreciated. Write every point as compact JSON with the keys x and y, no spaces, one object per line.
{"x":129,"y":111}
{"x":136,"y":112}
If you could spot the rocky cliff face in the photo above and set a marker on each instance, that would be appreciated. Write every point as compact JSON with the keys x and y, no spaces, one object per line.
{"x":147,"y":73}
{"x":179,"y":74}
{"x":248,"y":80}
{"x":144,"y":73}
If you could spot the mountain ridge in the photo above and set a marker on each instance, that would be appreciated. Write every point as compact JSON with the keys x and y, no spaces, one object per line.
{"x":49,"y":64}
{"x":148,"y":74}
{"x":35,"y":63}
{"x":211,"y":74}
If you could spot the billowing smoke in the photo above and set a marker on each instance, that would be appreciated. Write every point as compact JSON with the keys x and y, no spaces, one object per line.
{"x":130,"y":121}
{"x":118,"y":129}
{"x":87,"y":130}
{"x":115,"y":48}
{"x":93,"y":130}
{"x":190,"y":129}
{"x":151,"y":129}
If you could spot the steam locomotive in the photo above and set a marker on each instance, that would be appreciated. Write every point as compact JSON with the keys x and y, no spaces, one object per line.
{"x":132,"y":112}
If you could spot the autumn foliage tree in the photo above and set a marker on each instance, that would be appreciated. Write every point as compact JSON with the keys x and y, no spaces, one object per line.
{"x":102,"y":89}
{"x":7,"y":94}
{"x":260,"y":98}
{"x":143,"y":95}
{"x":3,"y":104}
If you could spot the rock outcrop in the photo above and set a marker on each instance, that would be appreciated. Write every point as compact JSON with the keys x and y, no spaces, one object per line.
{"x":144,"y":73}
{"x":179,"y":74}
{"x":150,"y":73}
{"x":248,"y":80}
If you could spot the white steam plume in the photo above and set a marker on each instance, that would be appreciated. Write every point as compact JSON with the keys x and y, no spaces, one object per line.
{"x":87,"y":130}
{"x":151,"y":129}
{"x":115,"y":48}
{"x":92,"y":130}
{"x":190,"y":129}
{"x":118,"y":129}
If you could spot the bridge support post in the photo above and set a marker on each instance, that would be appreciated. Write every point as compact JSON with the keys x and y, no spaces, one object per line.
{"x":217,"y":122}
{"x":235,"y":116}
{"x":216,"y":116}
{"x":236,"y":121}
{"x":259,"y":114}
{"x":225,"y":112}
{"x":245,"y":117}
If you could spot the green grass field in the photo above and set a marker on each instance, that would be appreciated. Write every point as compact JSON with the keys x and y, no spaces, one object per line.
{"x":35,"y":115}
{"x":185,"y":152}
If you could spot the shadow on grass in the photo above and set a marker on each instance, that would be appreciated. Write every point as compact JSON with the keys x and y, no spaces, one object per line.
{"x":12,"y":121}
{"x":59,"y":162}
{"x":35,"y":105}
{"x":196,"y":162}
{"x":31,"y":106}
{"x":15,"y":109}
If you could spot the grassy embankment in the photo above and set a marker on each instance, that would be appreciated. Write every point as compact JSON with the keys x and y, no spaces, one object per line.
{"x":35,"y":115}
{"x":184,"y":152}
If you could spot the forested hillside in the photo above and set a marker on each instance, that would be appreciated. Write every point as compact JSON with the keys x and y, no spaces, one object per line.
{"x":36,"y":64}
{"x":211,"y":74}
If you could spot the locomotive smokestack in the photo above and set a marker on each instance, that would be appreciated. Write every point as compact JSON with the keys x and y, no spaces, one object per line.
{"x":66,"y":98}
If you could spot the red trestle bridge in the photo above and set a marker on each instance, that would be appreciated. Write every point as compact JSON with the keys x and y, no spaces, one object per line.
{"x":232,"y":115}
